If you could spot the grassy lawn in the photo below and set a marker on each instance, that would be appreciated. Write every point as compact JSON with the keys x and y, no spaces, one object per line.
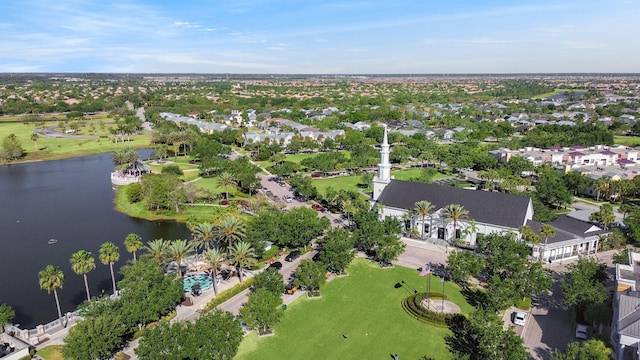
{"x":627,"y":140}
{"x":365,"y":306}
{"x":53,"y":148}
{"x":51,"y":352}
{"x":407,"y":174}
{"x":557,"y":91}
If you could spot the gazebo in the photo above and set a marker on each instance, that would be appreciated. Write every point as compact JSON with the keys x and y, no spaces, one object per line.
{"x":131,"y":174}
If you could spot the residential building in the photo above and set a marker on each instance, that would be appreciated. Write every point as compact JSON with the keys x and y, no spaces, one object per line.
{"x":625,"y":324}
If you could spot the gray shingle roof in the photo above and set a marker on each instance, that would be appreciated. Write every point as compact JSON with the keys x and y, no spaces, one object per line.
{"x":629,"y":314}
{"x":486,"y":207}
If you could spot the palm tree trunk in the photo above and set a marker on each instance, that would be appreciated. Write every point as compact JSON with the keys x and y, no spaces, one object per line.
{"x":86,"y":287}
{"x":215,"y":287}
{"x":55,"y":294}
{"x":422,"y":227}
{"x":240,"y":274}
{"x":134,"y":256}
{"x":113,"y":278}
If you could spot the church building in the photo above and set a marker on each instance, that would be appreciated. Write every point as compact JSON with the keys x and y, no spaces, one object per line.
{"x":487,"y":212}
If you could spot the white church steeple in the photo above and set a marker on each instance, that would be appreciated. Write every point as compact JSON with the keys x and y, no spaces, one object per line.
{"x":383,"y":178}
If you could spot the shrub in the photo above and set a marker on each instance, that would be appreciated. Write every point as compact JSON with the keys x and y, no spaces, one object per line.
{"x":413,"y":307}
{"x":524,"y":304}
{"x":172,"y":169}
{"x":228,"y":294}
{"x":134,"y":193}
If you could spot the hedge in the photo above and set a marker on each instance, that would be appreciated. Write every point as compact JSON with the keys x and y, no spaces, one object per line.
{"x":228,"y":294}
{"x":413,"y":307}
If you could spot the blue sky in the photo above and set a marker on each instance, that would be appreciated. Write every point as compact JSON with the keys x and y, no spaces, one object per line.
{"x":322,"y":36}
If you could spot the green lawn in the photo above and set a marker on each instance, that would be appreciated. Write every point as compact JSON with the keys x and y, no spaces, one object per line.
{"x":51,"y":352}
{"x":627,"y":140}
{"x":53,"y":148}
{"x":407,"y":174}
{"x":366,"y":307}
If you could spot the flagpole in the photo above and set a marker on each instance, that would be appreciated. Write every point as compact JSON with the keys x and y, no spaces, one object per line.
{"x":442,"y":281}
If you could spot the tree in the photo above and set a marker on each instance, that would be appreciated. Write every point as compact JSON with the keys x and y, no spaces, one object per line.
{"x":12,"y":148}
{"x":97,"y":338}
{"x":462,"y":265}
{"x":547,"y":231}
{"x":422,"y":208}
{"x":229,"y":230}
{"x":34,"y":138}
{"x":214,"y":259}
{"x":50,"y":279}
{"x":455,"y":213}
{"x":109,"y":254}
{"x":6,"y":315}
{"x":157,"y":249}
{"x":203,"y":234}
{"x":605,"y":215}
{"x":270,"y":279}
{"x":178,"y":250}
{"x":551,"y":189}
{"x":241,"y":255}
{"x":310,"y":275}
{"x":226,"y":179}
{"x":482,"y":336}
{"x":389,"y":248}
{"x":82,"y":262}
{"x":591,"y":349}
{"x":133,"y":243}
{"x":337,"y":250}
{"x":124,"y":156}
{"x":584,"y":283}
{"x":215,"y":335}
{"x":261,"y":310}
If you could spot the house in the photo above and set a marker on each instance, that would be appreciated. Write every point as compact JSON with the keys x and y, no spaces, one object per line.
{"x":491,"y":212}
{"x":625,"y":324}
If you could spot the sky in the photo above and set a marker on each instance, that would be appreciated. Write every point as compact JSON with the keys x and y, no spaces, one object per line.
{"x":320,"y":36}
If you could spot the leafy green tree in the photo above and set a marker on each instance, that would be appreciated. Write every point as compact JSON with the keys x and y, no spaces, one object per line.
{"x":172,"y":169}
{"x":304,"y":186}
{"x":214,"y":258}
{"x":605,"y":215}
{"x":310,"y":275}
{"x":133,"y":243}
{"x":463,"y":264}
{"x":6,"y":315}
{"x":178,"y":250}
{"x":584,"y":283}
{"x":576,"y":181}
{"x":82,"y":262}
{"x":156,"y":190}
{"x":215,"y":335}
{"x":483,"y":336}
{"x":50,"y":279}
{"x":389,"y":248}
{"x":11,"y":147}
{"x":241,"y":255}
{"x":109,"y":254}
{"x":550,"y":188}
{"x":261,"y":310}
{"x":124,"y":156}
{"x":337,"y":250}
{"x":270,"y":279}
{"x":97,"y":338}
{"x":591,"y":349}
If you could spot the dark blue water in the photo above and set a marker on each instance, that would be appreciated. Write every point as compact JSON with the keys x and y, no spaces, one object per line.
{"x":72,"y":201}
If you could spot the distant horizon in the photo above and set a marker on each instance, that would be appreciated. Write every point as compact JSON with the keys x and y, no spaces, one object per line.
{"x":325,"y":74}
{"x":328,"y":37}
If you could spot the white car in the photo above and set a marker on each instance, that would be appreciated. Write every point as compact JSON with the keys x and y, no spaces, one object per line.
{"x":581,"y":331}
{"x":520,"y":318}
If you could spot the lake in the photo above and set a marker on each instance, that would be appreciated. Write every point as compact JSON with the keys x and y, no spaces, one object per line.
{"x":69,"y":200}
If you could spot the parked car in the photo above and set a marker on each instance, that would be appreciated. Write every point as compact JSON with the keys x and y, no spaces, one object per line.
{"x":582,"y":331}
{"x":276,"y":265}
{"x":520,"y":318}
{"x":292,"y":255}
{"x":317,"y":207}
{"x":290,"y":289}
{"x":287,"y":198}
{"x":316,"y":175}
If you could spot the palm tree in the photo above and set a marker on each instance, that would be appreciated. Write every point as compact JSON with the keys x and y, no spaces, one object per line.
{"x":226,"y":179}
{"x":157,"y":249}
{"x":349,"y":208}
{"x":229,"y":230}
{"x":547,"y":231}
{"x":34,"y":138}
{"x":109,"y":254}
{"x":52,"y":278}
{"x":214,"y":258}
{"x":455,"y":213}
{"x":422,"y":208}
{"x":81,"y":263}
{"x":241,"y":256}
{"x":203,"y":234}
{"x":472,"y":228}
{"x":178,"y":250}
{"x":133,"y":243}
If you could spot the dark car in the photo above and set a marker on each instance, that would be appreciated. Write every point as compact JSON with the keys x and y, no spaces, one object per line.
{"x":292,"y":255}
{"x":276,"y":265}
